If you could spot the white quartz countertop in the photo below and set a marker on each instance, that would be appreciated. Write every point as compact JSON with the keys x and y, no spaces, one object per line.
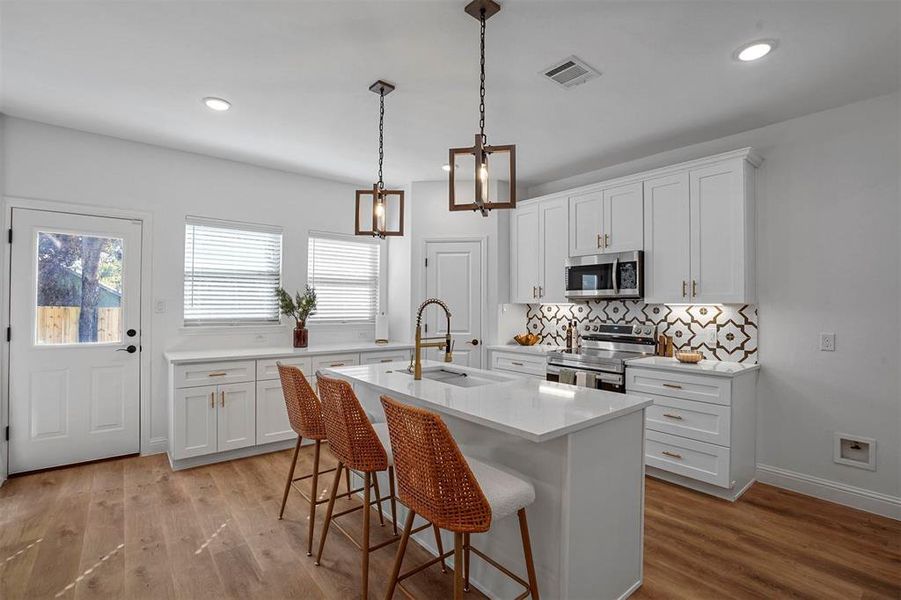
{"x":536,"y":350}
{"x":527,"y":407}
{"x":192,"y":356}
{"x":721,"y":368}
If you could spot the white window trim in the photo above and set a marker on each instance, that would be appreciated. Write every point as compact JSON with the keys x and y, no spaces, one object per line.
{"x":226,"y":328}
{"x":383,"y":278}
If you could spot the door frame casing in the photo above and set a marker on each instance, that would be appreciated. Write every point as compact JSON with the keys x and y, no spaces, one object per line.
{"x":420,"y":287}
{"x":146,"y":304}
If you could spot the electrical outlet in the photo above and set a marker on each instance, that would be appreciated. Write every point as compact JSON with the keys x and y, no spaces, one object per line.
{"x":827,"y":342}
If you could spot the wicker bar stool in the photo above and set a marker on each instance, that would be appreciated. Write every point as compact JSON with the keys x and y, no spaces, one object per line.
{"x":363,"y":447}
{"x":305,"y":415}
{"x":452,"y":492}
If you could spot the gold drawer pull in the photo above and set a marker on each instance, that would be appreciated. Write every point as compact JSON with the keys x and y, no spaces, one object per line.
{"x":675,"y":386}
{"x":222,"y":402}
{"x":518,"y":364}
{"x":218,"y":374}
{"x":336,"y":365}
{"x":387,"y":360}
{"x":212,"y":399}
{"x":672,"y":416}
{"x":673,"y":454}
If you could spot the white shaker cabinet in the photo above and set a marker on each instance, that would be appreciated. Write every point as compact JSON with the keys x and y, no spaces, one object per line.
{"x":194,"y":421}
{"x":524,"y":261}
{"x":699,"y":234}
{"x":236,"y":419}
{"x":667,"y":267}
{"x":552,"y":250}
{"x":608,"y":220}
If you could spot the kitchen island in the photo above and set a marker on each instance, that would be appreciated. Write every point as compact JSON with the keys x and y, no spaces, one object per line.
{"x":582,"y":449}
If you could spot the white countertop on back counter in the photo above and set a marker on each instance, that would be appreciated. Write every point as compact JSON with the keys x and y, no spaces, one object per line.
{"x":537,"y":349}
{"x":194,"y":356}
{"x":527,"y":407}
{"x":721,"y":368}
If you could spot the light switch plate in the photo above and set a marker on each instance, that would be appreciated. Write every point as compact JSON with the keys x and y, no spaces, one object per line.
{"x":827,"y":342}
{"x":159,"y":306}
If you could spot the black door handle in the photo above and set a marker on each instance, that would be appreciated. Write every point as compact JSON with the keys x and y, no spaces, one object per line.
{"x":131,"y":333}
{"x":129,"y":349}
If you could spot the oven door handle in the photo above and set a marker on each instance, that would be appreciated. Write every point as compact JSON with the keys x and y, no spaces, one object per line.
{"x":604,"y":376}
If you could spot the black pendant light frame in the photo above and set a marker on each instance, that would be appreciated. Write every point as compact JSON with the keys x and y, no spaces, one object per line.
{"x":378,"y":197}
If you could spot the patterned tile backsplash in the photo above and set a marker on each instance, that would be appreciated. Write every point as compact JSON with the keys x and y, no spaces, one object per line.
{"x":691,"y":326}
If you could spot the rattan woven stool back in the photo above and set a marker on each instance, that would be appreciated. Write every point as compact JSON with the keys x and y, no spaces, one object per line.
{"x":304,"y":408}
{"x":433,"y":478}
{"x":350,"y":434}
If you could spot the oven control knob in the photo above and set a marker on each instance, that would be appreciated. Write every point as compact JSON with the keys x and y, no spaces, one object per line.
{"x":596,"y":328}
{"x":637,"y":330}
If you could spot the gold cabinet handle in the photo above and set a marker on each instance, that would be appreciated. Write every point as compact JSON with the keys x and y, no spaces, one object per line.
{"x":540,"y":291}
{"x":212,"y":399}
{"x":218,"y":374}
{"x":684,"y":288}
{"x":675,"y":386}
{"x":606,"y":240}
{"x":222,"y":398}
{"x":518,"y":364}
{"x":673,"y":454}
{"x":336,"y":365}
{"x":672,"y":416}
{"x":534,"y":291}
{"x":694,"y":288}
{"x":387,"y":360}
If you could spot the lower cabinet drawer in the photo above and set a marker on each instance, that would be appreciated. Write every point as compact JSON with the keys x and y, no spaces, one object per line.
{"x":688,"y":386}
{"x":519,"y":363}
{"x":214,"y":373}
{"x":334,"y":360}
{"x":689,"y":458}
{"x":373,"y":358}
{"x":268,"y":368}
{"x":699,"y":421}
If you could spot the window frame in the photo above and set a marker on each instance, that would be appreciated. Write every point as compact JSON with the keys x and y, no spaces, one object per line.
{"x":382,"y":295}
{"x":245,"y":326}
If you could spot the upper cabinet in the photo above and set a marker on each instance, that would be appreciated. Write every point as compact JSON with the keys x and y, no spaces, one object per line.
{"x":699,"y":235}
{"x":695,"y":222}
{"x":606,"y":220}
{"x":538,"y":245}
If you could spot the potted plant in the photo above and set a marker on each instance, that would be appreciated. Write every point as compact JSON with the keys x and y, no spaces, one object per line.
{"x":301,"y":306}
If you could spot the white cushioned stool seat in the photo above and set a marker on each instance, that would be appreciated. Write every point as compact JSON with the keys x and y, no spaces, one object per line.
{"x":506,"y":490}
{"x":381,"y":430}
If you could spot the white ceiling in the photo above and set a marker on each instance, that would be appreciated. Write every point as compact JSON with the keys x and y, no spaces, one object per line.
{"x":297,"y":74}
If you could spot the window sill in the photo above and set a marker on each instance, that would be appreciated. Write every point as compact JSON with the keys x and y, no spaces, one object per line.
{"x":232,"y":329}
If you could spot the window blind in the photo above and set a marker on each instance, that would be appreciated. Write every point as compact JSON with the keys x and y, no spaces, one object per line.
{"x":345,"y":272}
{"x":231,"y":272}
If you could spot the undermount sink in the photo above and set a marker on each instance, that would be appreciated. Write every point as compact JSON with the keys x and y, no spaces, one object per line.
{"x":458,"y":378}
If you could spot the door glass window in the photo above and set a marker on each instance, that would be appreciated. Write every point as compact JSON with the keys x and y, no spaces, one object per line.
{"x":79,"y":289}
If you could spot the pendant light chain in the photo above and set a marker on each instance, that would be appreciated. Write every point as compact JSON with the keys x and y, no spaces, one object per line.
{"x":381,"y":135}
{"x":482,"y":80}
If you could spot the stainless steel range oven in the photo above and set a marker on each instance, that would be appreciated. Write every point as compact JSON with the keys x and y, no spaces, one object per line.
{"x":600,"y":361}
{"x":619,"y":275}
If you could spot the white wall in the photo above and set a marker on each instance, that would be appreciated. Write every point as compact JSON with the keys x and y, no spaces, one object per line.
{"x":828,"y":261}
{"x":53,"y":163}
{"x":431,"y":218}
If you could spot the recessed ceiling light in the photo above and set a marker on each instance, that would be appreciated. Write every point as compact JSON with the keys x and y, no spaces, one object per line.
{"x":755,"y":50}
{"x":217,"y":104}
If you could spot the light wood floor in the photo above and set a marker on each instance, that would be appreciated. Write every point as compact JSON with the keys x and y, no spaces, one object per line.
{"x":132,"y":528}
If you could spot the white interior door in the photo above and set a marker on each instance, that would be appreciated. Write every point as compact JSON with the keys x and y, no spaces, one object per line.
{"x":454,"y":274}
{"x":75,"y":339}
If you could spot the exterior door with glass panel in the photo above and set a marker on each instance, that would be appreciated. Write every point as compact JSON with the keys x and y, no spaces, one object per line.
{"x":75,"y":339}
{"x":454,"y":274}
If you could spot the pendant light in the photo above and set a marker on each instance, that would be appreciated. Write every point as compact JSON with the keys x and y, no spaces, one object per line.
{"x":380,"y":212}
{"x":492,"y":185}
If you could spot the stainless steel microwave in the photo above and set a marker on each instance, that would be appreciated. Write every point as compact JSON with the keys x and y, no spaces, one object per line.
{"x":604,"y":276}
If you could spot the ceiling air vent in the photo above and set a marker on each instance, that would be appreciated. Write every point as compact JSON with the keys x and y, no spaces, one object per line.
{"x":570,"y":72}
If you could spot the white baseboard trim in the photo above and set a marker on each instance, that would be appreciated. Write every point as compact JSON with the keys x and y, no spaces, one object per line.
{"x":833,"y":491}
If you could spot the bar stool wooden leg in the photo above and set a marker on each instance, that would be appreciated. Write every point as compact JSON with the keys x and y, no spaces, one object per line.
{"x":378,"y":498}
{"x":458,"y":563}
{"x":290,"y":477}
{"x":393,"y":493}
{"x":367,"y":482}
{"x":347,"y":481}
{"x":399,"y":557}
{"x":314,"y":496}
{"x":328,"y":511}
{"x":527,"y":551}
{"x":440,"y":546}
{"x":465,"y":562}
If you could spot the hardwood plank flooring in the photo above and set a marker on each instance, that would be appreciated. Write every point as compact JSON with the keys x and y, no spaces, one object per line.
{"x":212,"y":532}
